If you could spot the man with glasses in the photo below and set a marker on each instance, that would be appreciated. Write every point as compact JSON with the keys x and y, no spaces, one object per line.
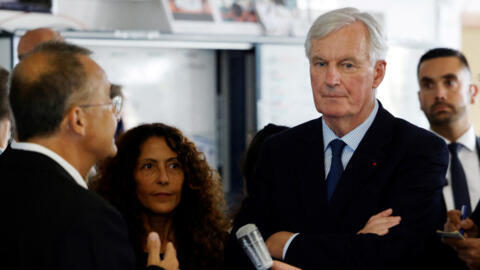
{"x":65,"y":120}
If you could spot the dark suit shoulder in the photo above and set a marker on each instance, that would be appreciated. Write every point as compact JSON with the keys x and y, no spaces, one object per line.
{"x":83,"y":199}
{"x":304,"y":132}
{"x":68,"y":226}
{"x":33,"y":176}
{"x":417,"y":136}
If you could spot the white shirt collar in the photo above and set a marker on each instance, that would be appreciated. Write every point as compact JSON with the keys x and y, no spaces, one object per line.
{"x":468,"y":139}
{"x":33,"y":147}
{"x":354,"y":137}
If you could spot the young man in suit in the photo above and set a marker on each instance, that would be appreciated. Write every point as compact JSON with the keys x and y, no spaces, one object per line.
{"x":65,"y":123}
{"x":321,"y":184}
{"x":445,"y":95}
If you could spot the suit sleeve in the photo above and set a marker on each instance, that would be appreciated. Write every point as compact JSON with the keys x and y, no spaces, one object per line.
{"x":98,"y":240}
{"x":414,"y":194}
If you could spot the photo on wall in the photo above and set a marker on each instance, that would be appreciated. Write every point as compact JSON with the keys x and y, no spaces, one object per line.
{"x":233,"y":17}
{"x":191,"y":10}
{"x":238,"y":11}
{"x":276,"y":16}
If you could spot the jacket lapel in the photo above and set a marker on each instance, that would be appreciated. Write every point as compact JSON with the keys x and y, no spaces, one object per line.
{"x":367,"y":158}
{"x":312,"y":175}
{"x":477,"y":208}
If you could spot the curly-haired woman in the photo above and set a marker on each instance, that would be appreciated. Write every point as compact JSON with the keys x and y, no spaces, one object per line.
{"x":160,"y":182}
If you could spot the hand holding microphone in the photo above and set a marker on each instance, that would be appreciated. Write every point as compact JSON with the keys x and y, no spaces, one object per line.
{"x":252,"y":243}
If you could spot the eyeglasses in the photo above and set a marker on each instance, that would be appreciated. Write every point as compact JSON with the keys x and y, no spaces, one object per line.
{"x":116,"y":104}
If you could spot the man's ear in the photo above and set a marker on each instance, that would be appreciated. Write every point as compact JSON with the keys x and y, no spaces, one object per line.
{"x":76,"y":121}
{"x":379,"y":72}
{"x":473,"y":91}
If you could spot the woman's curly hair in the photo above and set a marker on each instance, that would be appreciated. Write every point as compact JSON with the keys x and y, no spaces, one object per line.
{"x":199,"y":220}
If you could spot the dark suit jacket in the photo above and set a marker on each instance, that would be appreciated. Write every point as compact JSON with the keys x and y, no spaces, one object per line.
{"x":50,"y":222}
{"x":476,"y":210}
{"x":397,"y":165}
{"x":442,"y":256}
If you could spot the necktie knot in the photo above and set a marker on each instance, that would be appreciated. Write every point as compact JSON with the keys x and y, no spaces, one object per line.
{"x":337,"y":146}
{"x":454,"y":147}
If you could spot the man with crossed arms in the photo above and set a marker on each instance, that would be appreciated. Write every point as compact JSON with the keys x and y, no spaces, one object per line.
{"x":320,"y":185}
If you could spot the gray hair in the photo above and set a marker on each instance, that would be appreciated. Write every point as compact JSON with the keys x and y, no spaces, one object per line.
{"x":338,"y":18}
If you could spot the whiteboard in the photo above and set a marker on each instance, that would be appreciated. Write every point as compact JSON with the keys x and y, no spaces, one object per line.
{"x":284,"y":94}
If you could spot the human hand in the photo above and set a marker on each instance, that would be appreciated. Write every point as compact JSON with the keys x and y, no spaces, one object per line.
{"x":380,"y":223}
{"x":169,"y":261}
{"x":455,"y":223}
{"x":469,"y":251}
{"x":283,"y":266}
{"x":276,"y":242}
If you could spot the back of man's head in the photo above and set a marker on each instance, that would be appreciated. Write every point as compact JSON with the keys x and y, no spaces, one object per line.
{"x":44,"y":86}
{"x":35,"y":37}
{"x":443,"y":52}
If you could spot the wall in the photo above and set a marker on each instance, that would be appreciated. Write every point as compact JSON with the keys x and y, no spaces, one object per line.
{"x":426,"y":20}
{"x":11,"y":20}
{"x":412,"y":27}
{"x":471,"y":49}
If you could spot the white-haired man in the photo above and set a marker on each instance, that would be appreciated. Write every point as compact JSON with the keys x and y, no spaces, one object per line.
{"x":327,"y":188}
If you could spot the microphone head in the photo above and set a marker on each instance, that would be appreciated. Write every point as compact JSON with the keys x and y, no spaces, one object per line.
{"x":252,"y":243}
{"x":245,"y":229}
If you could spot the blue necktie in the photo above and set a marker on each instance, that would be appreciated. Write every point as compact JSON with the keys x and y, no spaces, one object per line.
{"x":459,"y":181}
{"x":336,"y":168}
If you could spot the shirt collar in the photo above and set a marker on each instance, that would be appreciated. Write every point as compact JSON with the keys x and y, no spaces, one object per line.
{"x":354,"y":137}
{"x":33,"y":147}
{"x":468,"y":139}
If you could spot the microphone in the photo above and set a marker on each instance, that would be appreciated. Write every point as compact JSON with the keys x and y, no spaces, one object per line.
{"x":252,"y":243}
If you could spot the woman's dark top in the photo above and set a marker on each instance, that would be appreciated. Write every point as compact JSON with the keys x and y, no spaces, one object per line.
{"x":151,"y":267}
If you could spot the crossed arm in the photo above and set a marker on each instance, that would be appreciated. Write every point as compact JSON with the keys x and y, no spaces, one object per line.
{"x":413,"y":192}
{"x":378,"y":224}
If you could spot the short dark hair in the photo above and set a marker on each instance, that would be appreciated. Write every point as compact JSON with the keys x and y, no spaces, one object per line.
{"x":4,"y":108}
{"x":39,"y":103}
{"x":116,"y":90}
{"x":443,"y":52}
